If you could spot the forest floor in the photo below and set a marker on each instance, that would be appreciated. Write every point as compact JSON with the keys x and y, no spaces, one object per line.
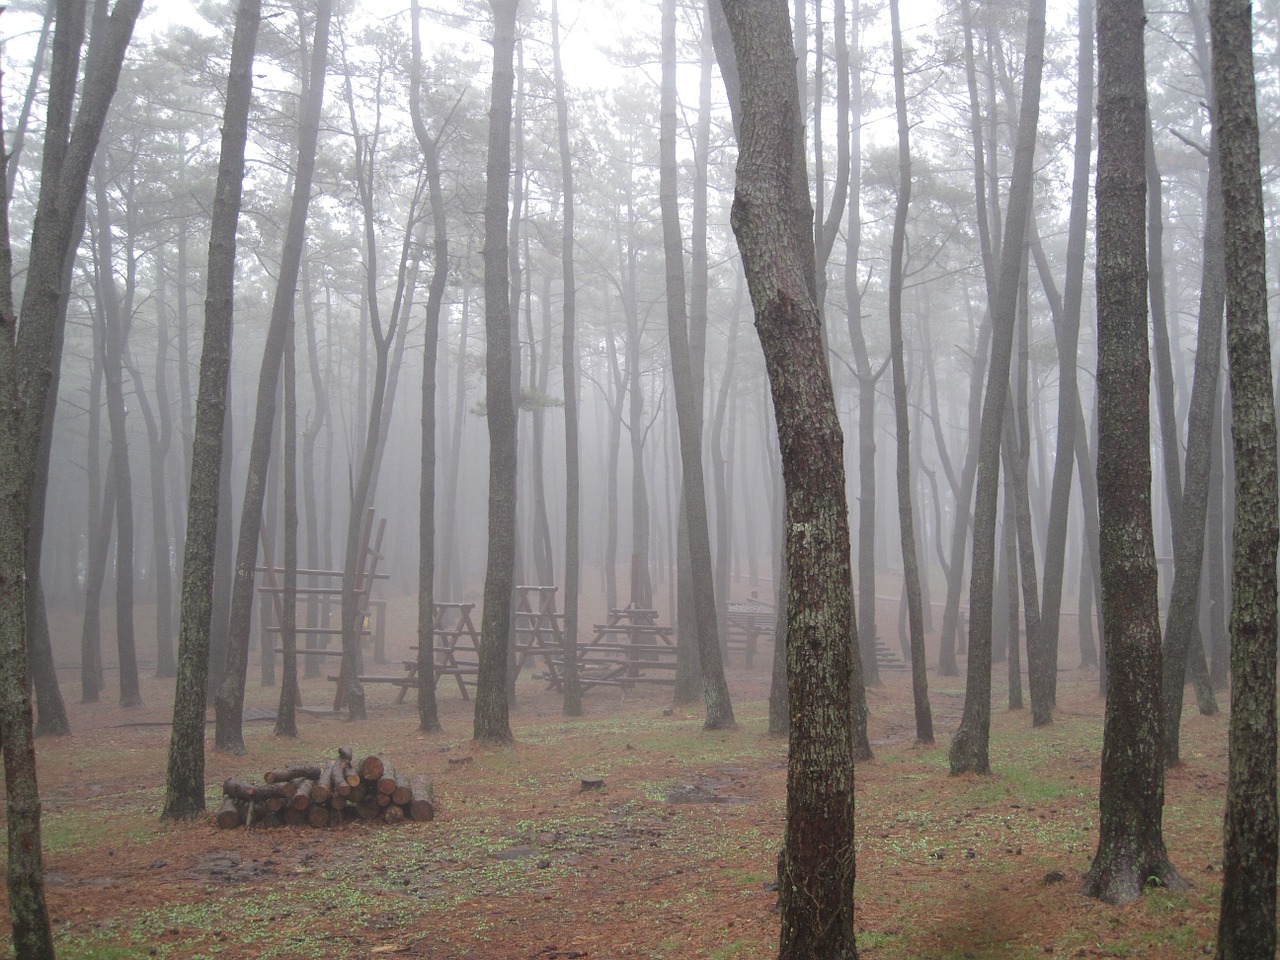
{"x":674,"y":858}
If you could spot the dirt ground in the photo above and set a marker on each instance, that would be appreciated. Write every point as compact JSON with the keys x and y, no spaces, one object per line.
{"x":674,"y":858}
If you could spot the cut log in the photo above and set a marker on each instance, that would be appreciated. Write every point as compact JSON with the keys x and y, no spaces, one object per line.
{"x":243,"y":790}
{"x":319,"y":816}
{"x":304,"y":770}
{"x":337,"y":802}
{"x":382,"y":799}
{"x":368,"y":809}
{"x":422,"y":806}
{"x":387,"y":781}
{"x":403,"y":792}
{"x":230,"y":814}
{"x":275,"y":804}
{"x":302,"y":799}
{"x":338,"y":780}
{"x":320,"y":792}
{"x":345,"y":756}
{"x":294,"y":817}
{"x":393,"y":814}
{"x":371,"y":767}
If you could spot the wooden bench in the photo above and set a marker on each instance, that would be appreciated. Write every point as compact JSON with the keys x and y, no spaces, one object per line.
{"x":745,"y":628}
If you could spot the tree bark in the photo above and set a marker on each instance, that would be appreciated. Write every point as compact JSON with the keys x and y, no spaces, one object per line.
{"x":184,"y":785}
{"x":1247,"y":923}
{"x":969,"y":749}
{"x":906,"y":508}
{"x":772,"y":219}
{"x":492,"y":722}
{"x":1131,"y":847}
{"x":1067,"y":336}
{"x":569,"y":368}
{"x":715,"y":691}
{"x":30,"y":930}
{"x":229,"y":701}
{"x":1182,"y":627}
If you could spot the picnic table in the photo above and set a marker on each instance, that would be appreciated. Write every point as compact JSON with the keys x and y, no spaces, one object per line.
{"x":630,"y":648}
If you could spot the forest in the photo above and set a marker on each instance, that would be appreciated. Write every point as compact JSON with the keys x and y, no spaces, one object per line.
{"x":640,"y":420}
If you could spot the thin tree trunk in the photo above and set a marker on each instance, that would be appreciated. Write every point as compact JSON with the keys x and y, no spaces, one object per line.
{"x":492,"y":723}
{"x":115,"y":325}
{"x":969,"y":749}
{"x":569,"y":368}
{"x":428,"y":712}
{"x":1067,"y":335}
{"x":1182,"y":628}
{"x":229,"y":701}
{"x":906,"y":510}
{"x":715,"y":690}
{"x":184,"y":784}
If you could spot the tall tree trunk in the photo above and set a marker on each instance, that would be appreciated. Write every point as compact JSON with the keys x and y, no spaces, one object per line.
{"x":969,"y":749}
{"x":715,"y":690}
{"x":160,"y":440}
{"x":772,"y":219}
{"x":449,"y":508}
{"x":355,"y":586}
{"x":1247,"y":923}
{"x":115,"y":325}
{"x":229,"y":701}
{"x":947,"y":664}
{"x":30,"y":930}
{"x":310,"y":434}
{"x":1166,"y":408}
{"x":428,"y":713}
{"x":69,"y":149}
{"x":906,"y":510}
{"x":1182,"y":627}
{"x":184,"y":784}
{"x":866,"y":382}
{"x":1067,"y":336}
{"x":287,"y":714}
{"x":102,"y":511}
{"x":492,"y":723}
{"x":1018,"y":466}
{"x":1131,"y":847}
{"x":569,"y":374}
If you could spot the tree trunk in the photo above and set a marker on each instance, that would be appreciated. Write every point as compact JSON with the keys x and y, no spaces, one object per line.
{"x":229,"y":701}
{"x":101,"y":523}
{"x":1067,"y":336}
{"x":1247,"y":923}
{"x":115,"y":326}
{"x":969,"y":749}
{"x":715,"y":690}
{"x":1182,"y":628}
{"x":569,"y":368}
{"x":906,"y":510}
{"x":1131,"y":847}
{"x":68,"y":154}
{"x":286,"y":715}
{"x":184,"y":785}
{"x":30,"y":930}
{"x":428,"y":713}
{"x":773,"y":219}
{"x":492,"y":723}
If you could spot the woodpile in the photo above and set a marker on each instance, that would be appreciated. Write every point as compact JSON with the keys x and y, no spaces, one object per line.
{"x":326,"y":795}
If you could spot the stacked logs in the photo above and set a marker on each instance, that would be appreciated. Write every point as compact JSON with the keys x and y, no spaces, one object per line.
{"x":325,"y":796}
